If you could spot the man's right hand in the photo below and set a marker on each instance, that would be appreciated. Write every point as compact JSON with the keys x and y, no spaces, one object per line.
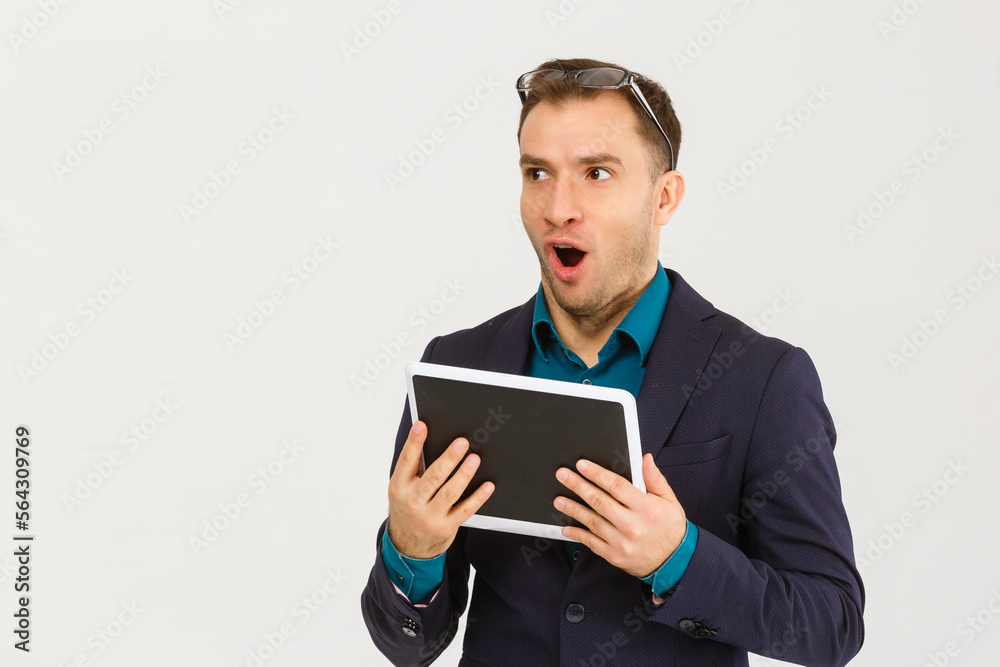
{"x":423,"y":516}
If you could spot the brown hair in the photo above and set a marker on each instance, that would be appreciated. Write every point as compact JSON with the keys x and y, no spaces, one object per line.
{"x":558,"y":91}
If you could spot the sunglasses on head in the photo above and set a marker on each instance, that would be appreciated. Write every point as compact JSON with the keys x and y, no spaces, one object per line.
{"x":608,"y":78}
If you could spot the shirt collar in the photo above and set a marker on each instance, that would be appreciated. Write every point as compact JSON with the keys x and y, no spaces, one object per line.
{"x":640,"y":323}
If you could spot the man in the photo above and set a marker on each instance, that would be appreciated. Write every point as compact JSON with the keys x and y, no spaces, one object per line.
{"x":741,"y":542}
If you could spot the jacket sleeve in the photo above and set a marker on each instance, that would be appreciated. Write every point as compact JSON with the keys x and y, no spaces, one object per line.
{"x":791,"y":590}
{"x":405,"y":633}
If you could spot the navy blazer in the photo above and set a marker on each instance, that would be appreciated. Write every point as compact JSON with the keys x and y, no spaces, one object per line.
{"x":737,"y":424}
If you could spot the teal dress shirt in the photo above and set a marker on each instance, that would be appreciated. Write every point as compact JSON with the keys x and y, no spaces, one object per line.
{"x":621,"y":363}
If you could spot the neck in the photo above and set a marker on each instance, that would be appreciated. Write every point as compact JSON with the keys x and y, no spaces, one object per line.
{"x":586,"y":335}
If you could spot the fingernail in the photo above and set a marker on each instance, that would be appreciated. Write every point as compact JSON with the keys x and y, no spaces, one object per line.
{"x":471,"y":461}
{"x":562,"y":474}
{"x":461,"y":445}
{"x":418,"y":428}
{"x":582,"y":465}
{"x":560,"y":503}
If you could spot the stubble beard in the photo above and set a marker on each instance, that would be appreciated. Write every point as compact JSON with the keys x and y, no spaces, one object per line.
{"x":617,"y":277}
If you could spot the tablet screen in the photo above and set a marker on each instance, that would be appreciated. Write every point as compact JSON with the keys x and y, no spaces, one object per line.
{"x":523,"y":436}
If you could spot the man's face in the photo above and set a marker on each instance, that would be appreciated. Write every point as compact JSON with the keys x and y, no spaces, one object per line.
{"x":586,"y":184}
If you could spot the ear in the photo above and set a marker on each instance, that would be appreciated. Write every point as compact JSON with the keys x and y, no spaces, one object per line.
{"x":669,"y":189}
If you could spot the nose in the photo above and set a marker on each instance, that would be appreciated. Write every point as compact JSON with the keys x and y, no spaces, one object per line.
{"x":562,"y":207}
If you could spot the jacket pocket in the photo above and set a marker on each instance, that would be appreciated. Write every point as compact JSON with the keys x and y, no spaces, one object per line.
{"x":699,"y":452}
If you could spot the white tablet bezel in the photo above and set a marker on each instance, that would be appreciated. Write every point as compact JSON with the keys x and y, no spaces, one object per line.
{"x":620,"y":396}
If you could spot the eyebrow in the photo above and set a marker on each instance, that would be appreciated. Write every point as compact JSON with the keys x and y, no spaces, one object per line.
{"x":584,"y":160}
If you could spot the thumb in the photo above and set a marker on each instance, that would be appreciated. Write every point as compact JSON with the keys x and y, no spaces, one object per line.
{"x":656,"y":483}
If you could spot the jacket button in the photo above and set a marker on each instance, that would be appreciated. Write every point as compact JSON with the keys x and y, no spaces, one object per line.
{"x":686,"y":624}
{"x":574,"y":613}
{"x":576,"y":554}
{"x":410,"y":627}
{"x":702,"y":633}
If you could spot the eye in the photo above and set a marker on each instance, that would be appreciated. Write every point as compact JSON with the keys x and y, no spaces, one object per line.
{"x":596,"y":172}
{"x":536,"y":174}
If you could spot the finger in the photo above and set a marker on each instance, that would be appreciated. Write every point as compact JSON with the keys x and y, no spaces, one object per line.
{"x":453,"y":489}
{"x":599,"y":501}
{"x":656,"y":483}
{"x":462,"y":511}
{"x":408,"y":463}
{"x":586,"y":538}
{"x":621,"y":489}
{"x":438,"y":472}
{"x":593,"y":521}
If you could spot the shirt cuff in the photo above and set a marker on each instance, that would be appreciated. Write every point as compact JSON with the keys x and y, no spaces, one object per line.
{"x":673,"y":569}
{"x":416,"y":578}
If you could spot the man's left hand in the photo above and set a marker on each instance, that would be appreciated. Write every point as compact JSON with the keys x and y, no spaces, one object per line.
{"x":632,"y":530}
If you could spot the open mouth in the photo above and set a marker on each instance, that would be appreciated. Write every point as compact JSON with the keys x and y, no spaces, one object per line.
{"x":568,"y":255}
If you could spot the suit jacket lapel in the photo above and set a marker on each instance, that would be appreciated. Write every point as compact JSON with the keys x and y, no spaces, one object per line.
{"x":509,"y":352}
{"x":680,"y":352}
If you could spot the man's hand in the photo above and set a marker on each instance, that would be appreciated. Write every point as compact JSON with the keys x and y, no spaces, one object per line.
{"x":423,"y":516}
{"x":632,"y":530}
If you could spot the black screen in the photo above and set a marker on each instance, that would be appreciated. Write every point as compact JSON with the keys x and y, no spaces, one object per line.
{"x":523,"y":437}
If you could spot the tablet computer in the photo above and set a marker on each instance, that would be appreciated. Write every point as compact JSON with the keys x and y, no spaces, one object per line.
{"x":524,"y":429}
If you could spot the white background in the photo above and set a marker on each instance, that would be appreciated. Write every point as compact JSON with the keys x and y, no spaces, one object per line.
{"x":64,"y":234}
